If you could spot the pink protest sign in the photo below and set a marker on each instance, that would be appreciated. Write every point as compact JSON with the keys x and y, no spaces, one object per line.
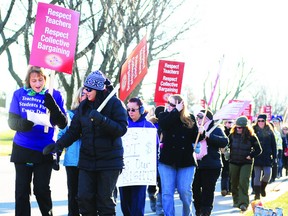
{"x":231,"y":111}
{"x":55,"y":37}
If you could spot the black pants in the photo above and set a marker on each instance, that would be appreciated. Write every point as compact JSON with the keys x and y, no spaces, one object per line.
{"x":96,"y":192}
{"x":41,"y":174}
{"x":203,"y":188}
{"x":72,"y":173}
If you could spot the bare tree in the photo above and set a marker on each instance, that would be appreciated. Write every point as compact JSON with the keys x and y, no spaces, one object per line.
{"x":236,"y":86}
{"x":108,"y":31}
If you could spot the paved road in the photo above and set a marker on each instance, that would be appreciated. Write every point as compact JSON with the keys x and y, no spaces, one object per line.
{"x":222,"y":205}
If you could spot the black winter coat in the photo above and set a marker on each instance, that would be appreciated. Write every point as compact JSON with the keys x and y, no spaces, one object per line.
{"x":177,"y":140}
{"x":269,"y":148}
{"x":101,"y":147}
{"x":216,"y":140}
{"x":239,"y":149}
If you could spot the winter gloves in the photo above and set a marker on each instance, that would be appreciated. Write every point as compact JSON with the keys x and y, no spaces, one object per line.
{"x":97,"y":117}
{"x":56,"y":116}
{"x":19,"y":124}
{"x":198,"y":148}
{"x":52,"y":148}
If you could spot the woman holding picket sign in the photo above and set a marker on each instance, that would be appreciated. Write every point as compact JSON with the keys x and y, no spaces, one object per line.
{"x":176,"y":162}
{"x":101,"y":151}
{"x":209,"y":167}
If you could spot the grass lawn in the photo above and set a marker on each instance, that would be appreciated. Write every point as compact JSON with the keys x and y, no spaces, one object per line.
{"x":281,"y":201}
{"x":6,"y":138}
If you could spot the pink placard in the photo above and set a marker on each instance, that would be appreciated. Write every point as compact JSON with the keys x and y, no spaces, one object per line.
{"x":55,"y":37}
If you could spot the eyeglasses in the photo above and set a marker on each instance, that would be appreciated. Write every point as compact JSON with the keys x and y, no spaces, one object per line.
{"x":88,"y":89}
{"x":132,"y":110}
{"x":171,"y":104}
{"x":199,"y":116}
{"x":261,"y":120}
{"x":239,"y":128}
{"x":229,"y":122}
{"x":83,"y":94}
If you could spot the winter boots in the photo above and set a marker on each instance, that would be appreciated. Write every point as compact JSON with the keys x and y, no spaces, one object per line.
{"x":257,"y":190}
{"x":263,"y":186}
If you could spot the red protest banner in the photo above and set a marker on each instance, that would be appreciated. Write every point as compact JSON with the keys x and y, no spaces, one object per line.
{"x":267,"y":110}
{"x":133,"y":70}
{"x":169,"y":80}
{"x":55,"y":37}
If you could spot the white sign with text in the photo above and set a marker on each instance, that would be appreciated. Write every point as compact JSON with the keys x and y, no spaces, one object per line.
{"x":140,"y":157}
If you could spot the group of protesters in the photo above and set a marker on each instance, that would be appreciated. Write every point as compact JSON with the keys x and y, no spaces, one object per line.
{"x":193,"y":151}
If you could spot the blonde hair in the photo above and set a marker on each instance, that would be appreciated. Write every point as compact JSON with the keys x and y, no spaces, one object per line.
{"x":77,"y":97}
{"x":33,"y":69}
{"x":185,"y":116}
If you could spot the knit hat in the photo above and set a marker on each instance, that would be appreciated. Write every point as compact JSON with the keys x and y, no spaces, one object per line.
{"x":95,"y":80}
{"x":242,"y":121}
{"x":209,"y":114}
{"x":158,"y":110}
{"x":262,"y":116}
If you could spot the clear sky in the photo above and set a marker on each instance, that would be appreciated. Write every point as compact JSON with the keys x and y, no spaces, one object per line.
{"x":255,"y":31}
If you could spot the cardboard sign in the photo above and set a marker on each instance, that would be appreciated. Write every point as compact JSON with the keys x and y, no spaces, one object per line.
{"x":139,"y":157}
{"x":247,"y":111}
{"x":169,"y":80}
{"x":231,"y":110}
{"x":55,"y":37}
{"x":133,"y":70}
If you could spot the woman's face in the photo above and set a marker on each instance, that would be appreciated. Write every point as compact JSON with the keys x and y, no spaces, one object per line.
{"x":37,"y":82}
{"x":261,"y":123}
{"x":90,"y":93}
{"x":239,"y":130}
{"x":171,"y":104}
{"x":83,"y":95}
{"x":133,"y":111}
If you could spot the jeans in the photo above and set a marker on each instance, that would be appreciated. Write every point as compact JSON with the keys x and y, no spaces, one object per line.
{"x":180,"y":178}
{"x":133,"y":200}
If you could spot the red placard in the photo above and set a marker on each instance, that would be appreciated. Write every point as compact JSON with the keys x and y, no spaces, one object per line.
{"x":55,"y":37}
{"x":169,"y":80}
{"x":133,"y":70}
{"x":267,"y":110}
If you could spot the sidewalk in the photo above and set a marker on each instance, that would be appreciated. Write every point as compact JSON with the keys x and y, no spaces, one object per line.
{"x":222,"y":205}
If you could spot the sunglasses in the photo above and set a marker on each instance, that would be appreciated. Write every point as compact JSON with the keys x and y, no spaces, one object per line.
{"x":132,"y":110}
{"x":171,"y":104}
{"x":239,"y":128}
{"x":88,"y":89}
{"x":229,"y":122}
{"x":199,"y":116}
{"x":261,"y":120}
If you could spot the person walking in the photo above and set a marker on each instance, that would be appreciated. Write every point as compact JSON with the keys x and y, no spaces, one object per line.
{"x":155,"y":192}
{"x":244,"y":147}
{"x":132,"y":198}
{"x":209,"y":167}
{"x":225,"y":178}
{"x":264,"y":162}
{"x":101,"y":152}
{"x":275,"y":123}
{"x":71,"y":157}
{"x":176,"y":162}
{"x":30,"y":139}
{"x":285,"y":149}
